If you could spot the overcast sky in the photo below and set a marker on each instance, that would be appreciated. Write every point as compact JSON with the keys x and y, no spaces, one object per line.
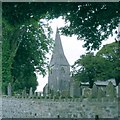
{"x":71,"y":46}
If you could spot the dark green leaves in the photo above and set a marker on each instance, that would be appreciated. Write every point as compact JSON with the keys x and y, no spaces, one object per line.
{"x":102,"y":66}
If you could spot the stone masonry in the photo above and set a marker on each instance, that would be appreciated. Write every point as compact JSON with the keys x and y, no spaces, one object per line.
{"x":65,"y":108}
{"x":59,"y":72}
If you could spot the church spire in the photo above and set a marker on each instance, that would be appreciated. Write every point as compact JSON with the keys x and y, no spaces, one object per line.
{"x":59,"y":74}
{"x":58,"y":56}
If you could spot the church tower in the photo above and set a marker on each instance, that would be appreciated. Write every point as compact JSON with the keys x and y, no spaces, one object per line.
{"x":59,"y":73}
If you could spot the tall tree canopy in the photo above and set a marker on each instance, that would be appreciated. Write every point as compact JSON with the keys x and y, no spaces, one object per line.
{"x":92,"y":22}
{"x":101,"y":66}
{"x":110,"y":53}
{"x":25,"y":42}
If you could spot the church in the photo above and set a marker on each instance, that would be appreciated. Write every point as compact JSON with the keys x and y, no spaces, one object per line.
{"x":59,"y":71}
{"x":60,"y":84}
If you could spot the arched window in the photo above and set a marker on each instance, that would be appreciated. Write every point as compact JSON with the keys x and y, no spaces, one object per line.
{"x":51,"y":69}
{"x":62,"y":70}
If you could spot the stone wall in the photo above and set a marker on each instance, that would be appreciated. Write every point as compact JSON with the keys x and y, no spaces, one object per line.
{"x":64,"y":108}
{"x":92,"y":102}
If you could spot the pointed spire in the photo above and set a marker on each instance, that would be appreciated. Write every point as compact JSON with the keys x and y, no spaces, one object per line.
{"x":58,"y":56}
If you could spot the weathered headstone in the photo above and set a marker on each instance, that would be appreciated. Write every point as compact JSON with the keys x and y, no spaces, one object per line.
{"x":9,"y":89}
{"x":101,"y":93}
{"x":86,"y":92}
{"x":94,"y":91}
{"x":65,"y":94}
{"x":38,"y":95}
{"x":45,"y":90}
{"x":75,"y":89}
{"x":57,"y":94}
{"x":30,"y":93}
{"x":24,"y":94}
{"x":119,"y":100}
{"x":35,"y":94}
{"x":110,"y":90}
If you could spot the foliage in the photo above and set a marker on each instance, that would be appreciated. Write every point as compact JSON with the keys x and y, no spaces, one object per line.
{"x":110,"y":53}
{"x":6,"y":54}
{"x":88,"y":68}
{"x":92,"y":22}
{"x":102,"y":66}
{"x":25,"y":45}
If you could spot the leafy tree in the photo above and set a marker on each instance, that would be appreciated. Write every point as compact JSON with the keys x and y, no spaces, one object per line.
{"x":91,"y":22}
{"x":109,"y":52}
{"x":6,"y":55}
{"x":87,"y":70}
{"x":102,"y":66}
{"x":25,"y":45}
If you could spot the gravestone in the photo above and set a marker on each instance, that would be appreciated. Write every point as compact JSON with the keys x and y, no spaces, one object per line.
{"x":30,"y":93}
{"x":57,"y":94}
{"x":119,"y":100}
{"x":110,"y":90}
{"x":65,"y":94}
{"x":24,"y":94}
{"x":101,"y":93}
{"x":38,"y":95}
{"x":94,"y":91}
{"x":45,"y":91}
{"x":35,"y":94}
{"x":75,"y":89}
{"x":51,"y":94}
{"x":9,"y":90}
{"x":86,"y":92}
{"x":119,"y":90}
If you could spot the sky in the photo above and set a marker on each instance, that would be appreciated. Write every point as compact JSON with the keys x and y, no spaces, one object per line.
{"x":72,"y":48}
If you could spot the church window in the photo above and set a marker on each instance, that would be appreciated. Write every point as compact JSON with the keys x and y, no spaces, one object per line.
{"x":51,"y":71}
{"x":62,"y":70}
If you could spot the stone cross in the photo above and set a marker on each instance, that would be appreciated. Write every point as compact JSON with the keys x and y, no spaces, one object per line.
{"x":9,"y":90}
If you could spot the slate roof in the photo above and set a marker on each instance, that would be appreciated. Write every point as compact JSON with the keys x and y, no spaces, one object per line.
{"x":58,"y":56}
{"x":100,"y":83}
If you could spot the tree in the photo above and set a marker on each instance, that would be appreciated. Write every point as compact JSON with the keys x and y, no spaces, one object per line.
{"x":87,"y":69}
{"x":102,"y":66}
{"x":91,"y":22}
{"x":109,"y":52}
{"x":24,"y":48}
